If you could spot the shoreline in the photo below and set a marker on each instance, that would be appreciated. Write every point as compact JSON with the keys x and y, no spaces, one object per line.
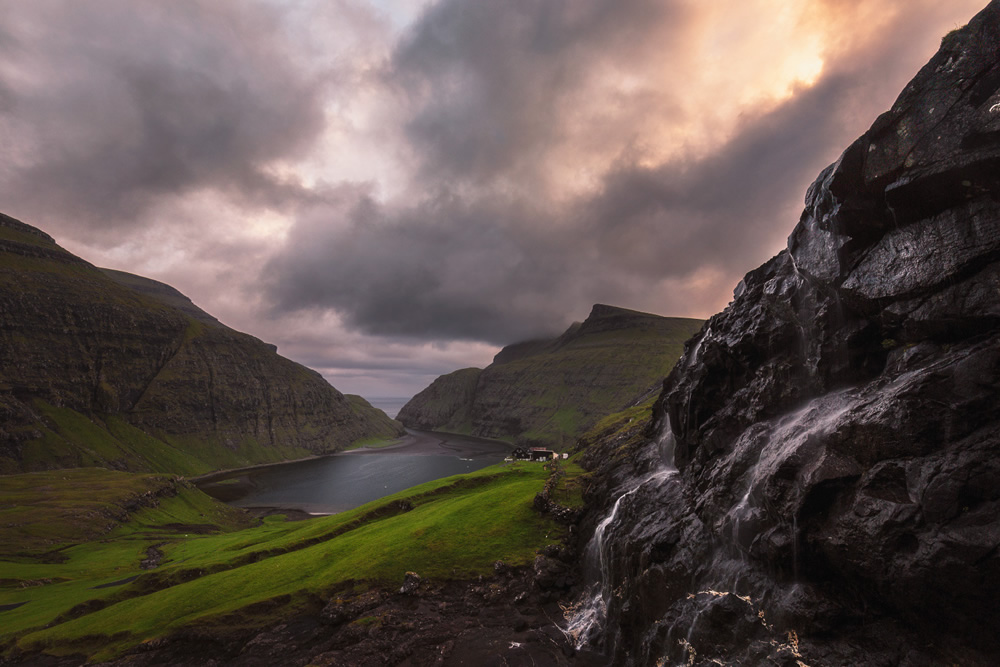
{"x":290,"y":513}
{"x":415,"y":442}
{"x":232,"y":485}
{"x":208,"y":477}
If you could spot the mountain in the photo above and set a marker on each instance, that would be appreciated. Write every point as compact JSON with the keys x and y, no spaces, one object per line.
{"x":548,"y":392}
{"x":105,"y":368}
{"x":835,"y":429}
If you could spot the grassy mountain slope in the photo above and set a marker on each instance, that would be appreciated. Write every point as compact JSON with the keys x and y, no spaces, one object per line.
{"x":446,"y":404}
{"x":82,"y":589}
{"x":550,"y":392}
{"x":104,"y":368}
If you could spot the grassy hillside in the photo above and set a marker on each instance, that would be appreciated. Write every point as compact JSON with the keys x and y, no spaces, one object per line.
{"x":446,"y":405}
{"x":82,"y":534}
{"x":110,"y":369}
{"x":550,"y":392}
{"x":383,"y":429}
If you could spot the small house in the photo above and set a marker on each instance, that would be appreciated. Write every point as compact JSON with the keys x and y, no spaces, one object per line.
{"x":542,"y":454}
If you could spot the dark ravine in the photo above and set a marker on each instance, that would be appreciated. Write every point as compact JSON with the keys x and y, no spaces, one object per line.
{"x":836,"y":427}
{"x":106,"y":368}
{"x":549,"y":392}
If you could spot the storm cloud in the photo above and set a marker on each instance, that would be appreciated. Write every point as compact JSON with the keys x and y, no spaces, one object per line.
{"x":494,"y":268}
{"x":512,"y":240}
{"x":407,"y":184}
{"x":117,"y":105}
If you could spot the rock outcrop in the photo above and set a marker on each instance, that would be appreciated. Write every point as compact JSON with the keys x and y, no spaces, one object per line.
{"x":105,"y":368}
{"x":548,"y":392}
{"x":837,"y":427}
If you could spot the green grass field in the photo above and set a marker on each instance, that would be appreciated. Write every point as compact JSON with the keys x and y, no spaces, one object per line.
{"x":74,"y":536}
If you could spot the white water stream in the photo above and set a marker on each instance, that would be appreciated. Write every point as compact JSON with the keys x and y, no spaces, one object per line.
{"x":794,"y":439}
{"x":587,"y":618}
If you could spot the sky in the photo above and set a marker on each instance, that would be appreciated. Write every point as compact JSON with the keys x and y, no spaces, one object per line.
{"x":390,"y":190}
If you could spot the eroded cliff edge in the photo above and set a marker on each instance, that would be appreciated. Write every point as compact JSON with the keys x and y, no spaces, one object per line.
{"x":836,"y":427}
{"x":105,"y":368}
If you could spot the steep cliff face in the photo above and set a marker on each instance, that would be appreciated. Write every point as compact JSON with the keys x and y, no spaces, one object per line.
{"x":836,"y":427}
{"x":105,"y":368}
{"x":548,"y":392}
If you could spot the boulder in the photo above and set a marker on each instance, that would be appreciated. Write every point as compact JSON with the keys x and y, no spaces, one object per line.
{"x":411,"y":582}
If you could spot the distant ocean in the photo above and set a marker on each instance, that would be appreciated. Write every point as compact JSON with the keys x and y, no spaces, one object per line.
{"x":390,"y":405}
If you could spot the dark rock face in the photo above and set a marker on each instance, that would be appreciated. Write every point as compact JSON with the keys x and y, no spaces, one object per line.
{"x":836,"y":427}
{"x":548,"y":392}
{"x":87,"y":354}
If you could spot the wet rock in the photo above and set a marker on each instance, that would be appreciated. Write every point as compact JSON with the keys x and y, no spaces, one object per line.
{"x":411,"y":582}
{"x":553,"y":574}
{"x":836,"y":426}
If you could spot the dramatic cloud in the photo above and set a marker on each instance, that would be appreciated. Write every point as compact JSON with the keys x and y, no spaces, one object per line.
{"x":388,"y":189}
{"x":595,"y":151}
{"x":121,"y":105}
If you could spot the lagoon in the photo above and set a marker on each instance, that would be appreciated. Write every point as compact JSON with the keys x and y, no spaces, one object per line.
{"x":331,"y":484}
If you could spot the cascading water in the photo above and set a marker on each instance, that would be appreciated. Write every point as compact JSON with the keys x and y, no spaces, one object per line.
{"x":723,"y":576}
{"x":587,"y":619}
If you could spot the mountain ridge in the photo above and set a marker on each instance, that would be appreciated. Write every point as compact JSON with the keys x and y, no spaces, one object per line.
{"x":104,"y":368}
{"x":549,"y":391}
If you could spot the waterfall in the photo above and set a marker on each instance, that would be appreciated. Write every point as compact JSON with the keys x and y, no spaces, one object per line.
{"x":586,"y":619}
{"x":725,"y":580}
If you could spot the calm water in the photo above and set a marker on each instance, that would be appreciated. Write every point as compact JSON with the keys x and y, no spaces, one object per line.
{"x":339,"y":483}
{"x":344,"y":481}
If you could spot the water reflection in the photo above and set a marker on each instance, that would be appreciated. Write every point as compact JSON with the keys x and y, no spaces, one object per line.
{"x":337,"y":483}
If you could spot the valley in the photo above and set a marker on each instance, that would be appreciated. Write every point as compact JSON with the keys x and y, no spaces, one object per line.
{"x":85,"y":588}
{"x":809,"y":477}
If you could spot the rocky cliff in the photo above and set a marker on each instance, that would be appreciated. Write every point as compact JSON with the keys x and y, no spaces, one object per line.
{"x":548,"y":392}
{"x":106,"y":368}
{"x":835,"y":429}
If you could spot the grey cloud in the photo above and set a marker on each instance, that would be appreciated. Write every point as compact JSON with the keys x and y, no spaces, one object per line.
{"x":473,"y":264}
{"x":140,"y":102}
{"x":727,"y":209}
{"x":444,"y":265}
{"x":115,"y":109}
{"x":400,"y":365}
{"x":491,"y":79}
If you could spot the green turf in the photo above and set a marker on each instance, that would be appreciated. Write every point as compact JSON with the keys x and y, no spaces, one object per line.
{"x":549,"y":393}
{"x":449,"y":528}
{"x":69,"y":439}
